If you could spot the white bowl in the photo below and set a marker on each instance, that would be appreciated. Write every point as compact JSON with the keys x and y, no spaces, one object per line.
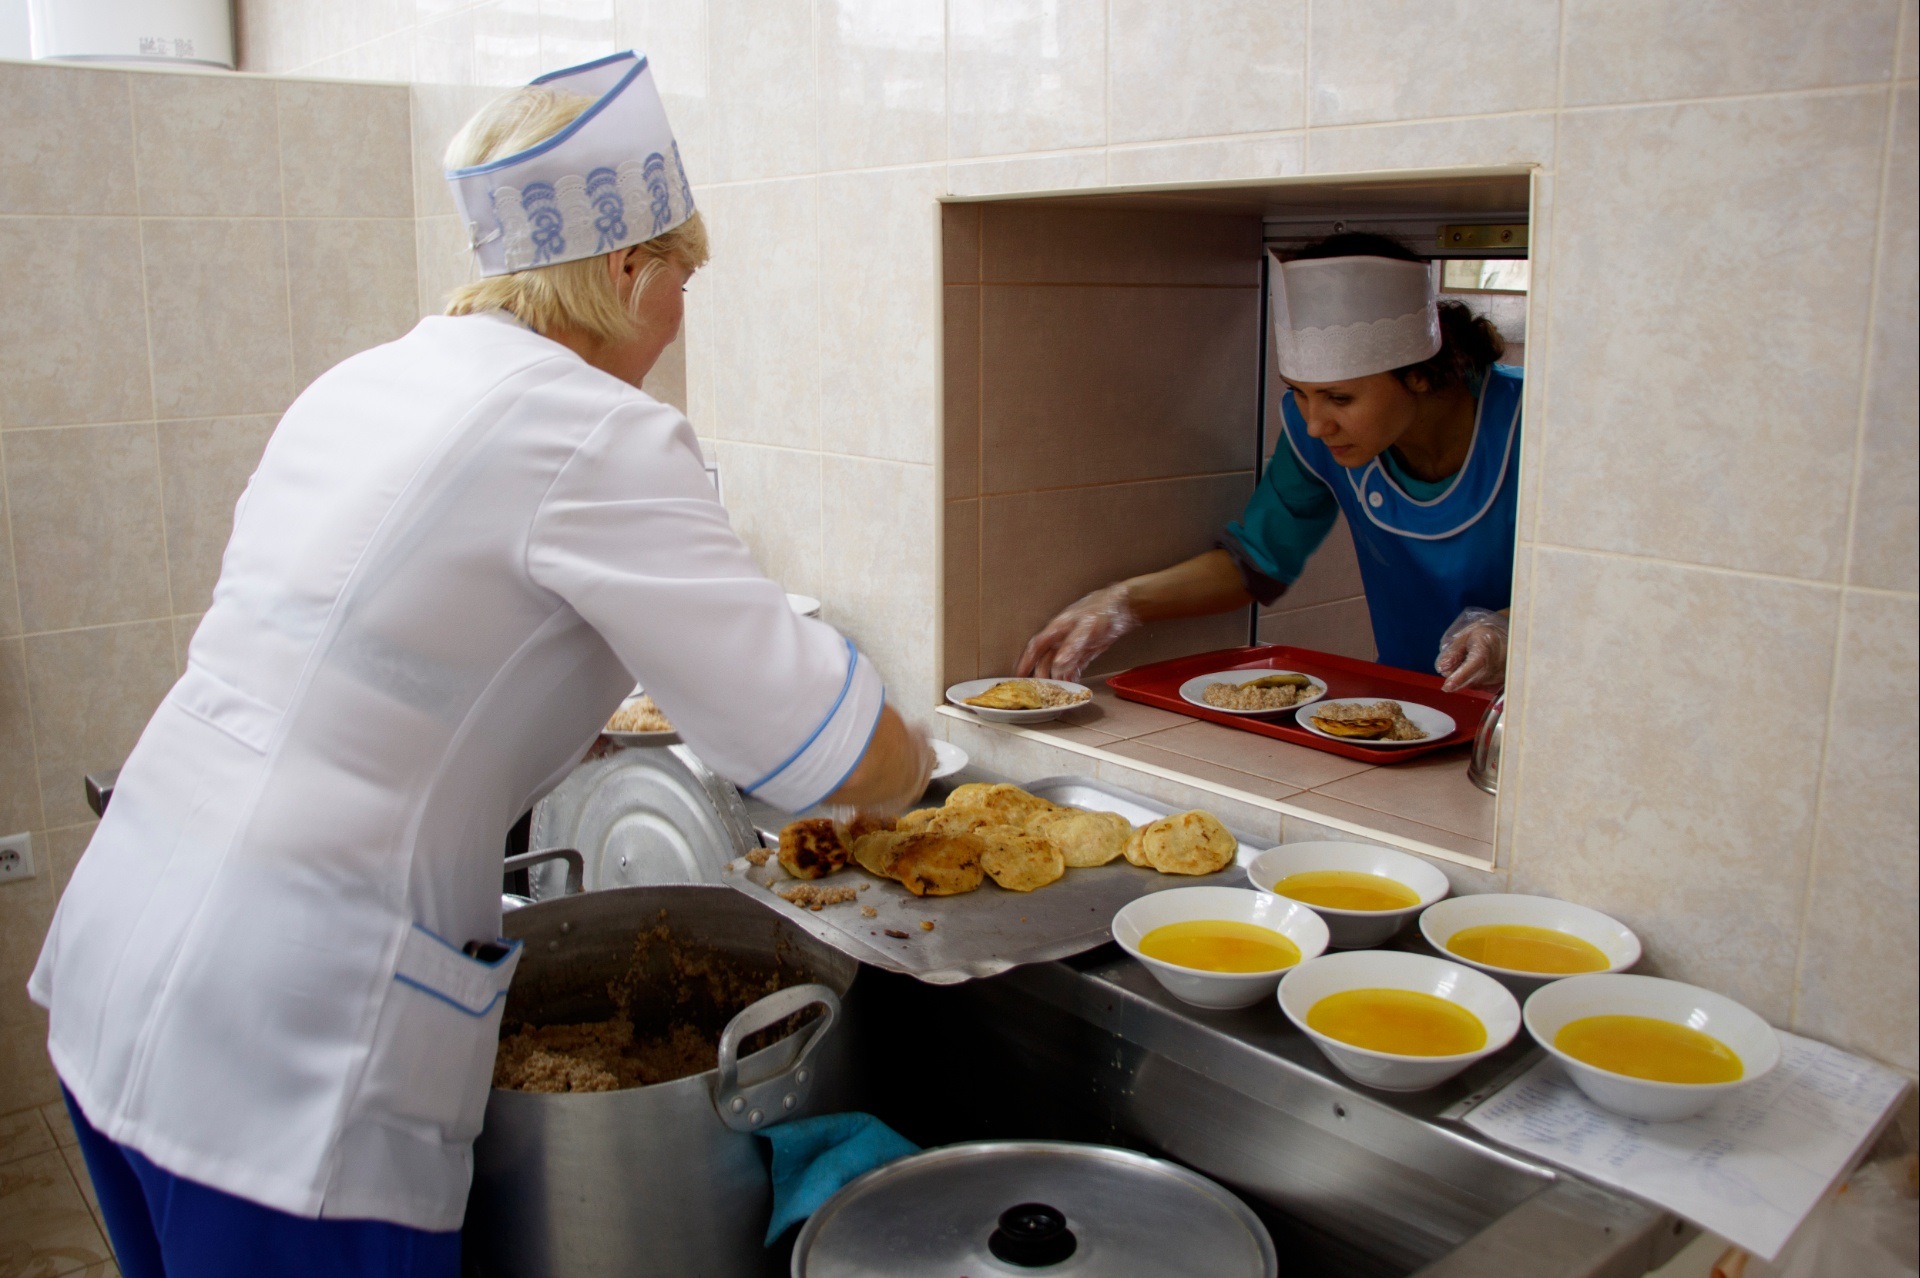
{"x":1435,"y":723}
{"x":1611,"y":937}
{"x":959,"y":692}
{"x":1194,"y":690}
{"x":1329,"y":974}
{"x":1236,"y":905}
{"x":805,"y":605}
{"x":1603,"y":994}
{"x":1353,"y":929}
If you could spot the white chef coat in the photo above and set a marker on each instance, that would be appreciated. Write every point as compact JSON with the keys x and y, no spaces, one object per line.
{"x":458,"y":553}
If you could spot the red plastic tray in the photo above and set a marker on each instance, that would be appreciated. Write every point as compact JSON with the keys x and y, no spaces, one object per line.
{"x":1159,"y":685}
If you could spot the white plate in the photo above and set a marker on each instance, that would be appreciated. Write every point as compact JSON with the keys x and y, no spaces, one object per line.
{"x":959,"y":692}
{"x":667,"y":738}
{"x":948,"y":759}
{"x":805,"y":605}
{"x":1193,"y":689}
{"x":1435,"y":723}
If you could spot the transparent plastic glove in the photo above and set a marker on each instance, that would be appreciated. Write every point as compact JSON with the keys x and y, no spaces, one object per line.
{"x":1070,"y":642}
{"x":1473,"y":652}
{"x":890,"y":778}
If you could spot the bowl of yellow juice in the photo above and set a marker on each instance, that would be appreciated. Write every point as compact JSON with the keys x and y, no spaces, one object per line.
{"x":1647,"y":1047}
{"x":1218,"y":946}
{"x":1397,"y":1021}
{"x":1526,"y":941}
{"x":1364,"y":892}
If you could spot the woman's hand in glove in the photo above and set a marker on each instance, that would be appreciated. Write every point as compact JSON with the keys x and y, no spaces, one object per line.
{"x":890,"y":777}
{"x":1071,"y":641}
{"x":1473,"y":652}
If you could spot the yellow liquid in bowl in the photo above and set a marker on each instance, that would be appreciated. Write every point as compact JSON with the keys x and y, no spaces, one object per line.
{"x":1347,"y":890}
{"x":1645,"y":1047}
{"x":1403,"y":1022}
{"x":1216,"y":945}
{"x":1521,"y":948}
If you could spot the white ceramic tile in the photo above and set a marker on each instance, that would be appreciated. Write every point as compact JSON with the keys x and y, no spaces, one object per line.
{"x":880,"y":298}
{"x":506,"y":43}
{"x":1370,"y":148}
{"x":1387,"y":60}
{"x":576,"y":31}
{"x":1887,"y":508}
{"x":1238,"y":68}
{"x":1695,"y":431}
{"x":1671,"y":747}
{"x":773,"y":496}
{"x":883,"y":82}
{"x":877,"y":573}
{"x":1025,"y":77}
{"x":437,"y":112}
{"x":766,"y":108}
{"x":443,"y":49}
{"x":1213,"y":160}
{"x":765,"y":313}
{"x":66,"y":141}
{"x":672,"y":35}
{"x":1857,"y":969}
{"x":1646,"y":50}
{"x":1028,"y":174}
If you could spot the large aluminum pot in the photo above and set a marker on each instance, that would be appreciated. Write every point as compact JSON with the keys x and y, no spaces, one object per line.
{"x":661,"y":1180}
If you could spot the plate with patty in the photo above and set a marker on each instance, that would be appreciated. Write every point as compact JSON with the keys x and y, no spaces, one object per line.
{"x":1012,"y":700}
{"x":1253,"y":692}
{"x":1376,"y":721}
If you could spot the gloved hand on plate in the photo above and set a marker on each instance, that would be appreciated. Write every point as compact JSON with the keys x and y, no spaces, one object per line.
{"x":1073,"y":640}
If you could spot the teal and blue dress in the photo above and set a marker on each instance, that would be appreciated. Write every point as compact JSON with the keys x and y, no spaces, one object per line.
{"x":1427,"y":549}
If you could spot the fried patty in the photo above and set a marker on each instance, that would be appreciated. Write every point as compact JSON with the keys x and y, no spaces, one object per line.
{"x":1019,"y":861}
{"x":1086,"y":839}
{"x":929,"y":864}
{"x":811,"y":849}
{"x":1188,"y":843}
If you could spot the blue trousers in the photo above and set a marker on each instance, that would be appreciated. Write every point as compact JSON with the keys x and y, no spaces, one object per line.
{"x":165,"y":1226}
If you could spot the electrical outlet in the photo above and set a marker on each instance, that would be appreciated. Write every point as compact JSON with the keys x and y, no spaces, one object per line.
{"x":16,"y":857}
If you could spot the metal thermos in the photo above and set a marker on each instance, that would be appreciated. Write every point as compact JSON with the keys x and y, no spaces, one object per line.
{"x":1484,"y":767}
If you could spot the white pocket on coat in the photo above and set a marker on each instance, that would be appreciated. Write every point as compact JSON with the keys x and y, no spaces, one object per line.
{"x":433,"y":1049}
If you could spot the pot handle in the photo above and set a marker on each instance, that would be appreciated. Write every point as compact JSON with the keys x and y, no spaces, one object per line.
{"x":749,"y":1106}
{"x":576,"y":866}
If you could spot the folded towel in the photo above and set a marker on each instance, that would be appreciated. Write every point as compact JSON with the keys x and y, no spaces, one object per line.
{"x":814,"y":1157}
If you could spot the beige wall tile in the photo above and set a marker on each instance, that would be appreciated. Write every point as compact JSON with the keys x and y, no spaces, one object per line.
{"x":206,"y":146}
{"x":765,"y":286}
{"x":1025,"y":243}
{"x":1295,"y":765}
{"x":93,"y":692}
{"x":1332,"y":573}
{"x":9,"y":588}
{"x":877,"y":571}
{"x":1433,"y":791}
{"x":1028,"y":174}
{"x":1502,"y":140}
{"x":1212,"y":160}
{"x":436,"y":112}
{"x":442,"y":259}
{"x":1314,"y":801}
{"x":1239,"y":68}
{"x":45,"y":1226}
{"x":960,"y":243}
{"x":217,"y":305}
{"x":73,"y":342}
{"x":1383,"y":60}
{"x":351,"y":285}
{"x":1041,"y":551}
{"x":1886,"y":517}
{"x":1101,"y":385}
{"x":774,"y":498}
{"x":19,"y":780}
{"x":879,"y":304}
{"x":883,"y":82}
{"x":960,"y":373}
{"x":85,"y":503}
{"x":1691,"y":828}
{"x":666,"y":381}
{"x":1146,"y":750}
{"x":25,"y":910}
{"x":64,"y":847}
{"x":765,"y":101}
{"x":66,"y":141}
{"x":1680,"y":435}
{"x":1025,"y":77}
{"x":204,"y":467}
{"x":1643,"y":50}
{"x":1907,"y":61}
{"x":346,"y":150}
{"x":183,"y":632}
{"x":1344,"y":628}
{"x":960,"y":594}
{"x":1857,"y":964}
{"x":1111,"y":716}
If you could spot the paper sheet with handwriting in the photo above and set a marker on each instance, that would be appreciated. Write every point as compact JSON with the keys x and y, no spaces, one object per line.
{"x":1749,"y":1169}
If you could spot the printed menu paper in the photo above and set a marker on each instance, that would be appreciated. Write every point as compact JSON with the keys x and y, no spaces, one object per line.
{"x":1749,"y":1169}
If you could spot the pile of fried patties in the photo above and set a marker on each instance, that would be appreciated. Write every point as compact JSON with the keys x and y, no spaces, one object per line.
{"x":1019,"y":840}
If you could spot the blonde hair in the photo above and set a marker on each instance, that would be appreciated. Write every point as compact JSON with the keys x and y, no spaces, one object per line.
{"x":577,"y":295}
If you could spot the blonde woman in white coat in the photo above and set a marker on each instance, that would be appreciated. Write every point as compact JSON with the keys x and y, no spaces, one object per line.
{"x":459,"y":551}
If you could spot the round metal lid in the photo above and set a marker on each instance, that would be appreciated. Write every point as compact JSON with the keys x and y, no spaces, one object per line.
{"x":1033,"y":1209}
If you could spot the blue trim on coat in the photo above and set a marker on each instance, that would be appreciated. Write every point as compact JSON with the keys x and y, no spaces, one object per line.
{"x":511,"y":945}
{"x":853,"y":663}
{"x":448,"y":999}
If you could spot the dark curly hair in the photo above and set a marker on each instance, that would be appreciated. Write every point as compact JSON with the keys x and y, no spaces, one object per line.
{"x":1469,"y":345}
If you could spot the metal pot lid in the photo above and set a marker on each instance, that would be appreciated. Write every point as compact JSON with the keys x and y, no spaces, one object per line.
{"x":1027,"y":1209}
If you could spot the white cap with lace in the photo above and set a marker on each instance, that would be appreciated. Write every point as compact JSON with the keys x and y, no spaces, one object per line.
{"x":1340,"y":317}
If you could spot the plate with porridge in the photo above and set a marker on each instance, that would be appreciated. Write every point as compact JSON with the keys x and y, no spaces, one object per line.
{"x":1019,"y":700}
{"x":1374,"y":721}
{"x":1253,"y":691}
{"x":639,"y":722}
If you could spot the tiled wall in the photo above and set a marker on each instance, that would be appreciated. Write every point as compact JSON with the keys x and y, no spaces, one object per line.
{"x":1720,"y":485}
{"x":183,"y":253}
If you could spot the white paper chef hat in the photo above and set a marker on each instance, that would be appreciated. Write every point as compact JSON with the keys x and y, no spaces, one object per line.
{"x":1341,"y":317}
{"x":610,"y":179}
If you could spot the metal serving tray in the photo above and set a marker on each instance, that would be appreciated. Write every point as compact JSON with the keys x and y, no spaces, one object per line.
{"x":985,"y":932}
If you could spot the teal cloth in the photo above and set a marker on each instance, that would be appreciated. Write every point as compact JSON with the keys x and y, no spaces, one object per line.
{"x":814,"y":1157}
